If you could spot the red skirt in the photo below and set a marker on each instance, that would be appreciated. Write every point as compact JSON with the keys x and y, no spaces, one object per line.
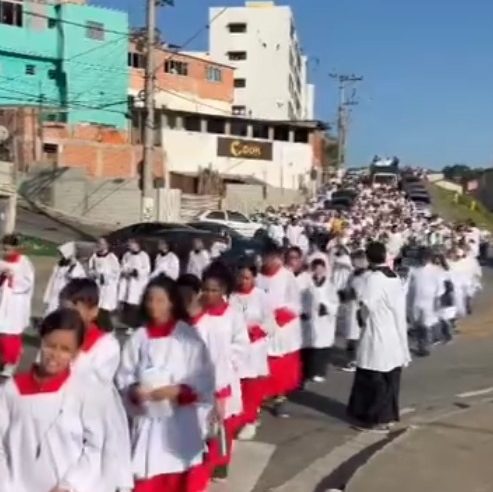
{"x":10,"y":349}
{"x":285,"y":374}
{"x":192,"y":480}
{"x":253,"y":393}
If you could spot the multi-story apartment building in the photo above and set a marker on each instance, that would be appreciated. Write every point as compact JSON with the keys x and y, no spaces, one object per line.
{"x":65,"y":55}
{"x":260,"y":40}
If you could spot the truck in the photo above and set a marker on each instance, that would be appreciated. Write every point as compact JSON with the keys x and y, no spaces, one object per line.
{"x":384,"y":171}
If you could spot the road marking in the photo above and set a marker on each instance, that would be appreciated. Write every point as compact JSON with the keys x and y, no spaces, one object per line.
{"x":407,"y":411}
{"x":480,"y":392}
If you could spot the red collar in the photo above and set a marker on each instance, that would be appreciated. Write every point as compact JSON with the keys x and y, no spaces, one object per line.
{"x":30,"y":384}
{"x":246,"y":291}
{"x":161,"y":331}
{"x":195,"y":319}
{"x":270,"y":272}
{"x":13,"y":257}
{"x":93,"y":334}
{"x":218,"y":310}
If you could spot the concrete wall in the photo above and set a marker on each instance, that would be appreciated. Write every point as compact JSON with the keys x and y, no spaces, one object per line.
{"x":484,"y":192}
{"x":450,"y":186}
{"x":251,"y":198}
{"x":115,"y":202}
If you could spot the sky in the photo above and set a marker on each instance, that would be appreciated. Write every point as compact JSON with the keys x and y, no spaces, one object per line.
{"x":427,"y":94}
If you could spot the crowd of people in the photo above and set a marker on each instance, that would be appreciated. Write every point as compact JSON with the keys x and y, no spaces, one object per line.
{"x":208,"y":347}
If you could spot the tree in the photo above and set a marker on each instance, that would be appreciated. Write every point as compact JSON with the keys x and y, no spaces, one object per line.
{"x":460,"y":173}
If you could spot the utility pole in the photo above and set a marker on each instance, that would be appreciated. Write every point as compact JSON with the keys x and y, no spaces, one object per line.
{"x":147,"y":205}
{"x":344,"y":81}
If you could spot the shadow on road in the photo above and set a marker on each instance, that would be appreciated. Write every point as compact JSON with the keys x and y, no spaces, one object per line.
{"x":320,"y":403}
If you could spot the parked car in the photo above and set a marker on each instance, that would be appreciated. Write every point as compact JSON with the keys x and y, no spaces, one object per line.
{"x":179,"y":236}
{"x":235,"y":220}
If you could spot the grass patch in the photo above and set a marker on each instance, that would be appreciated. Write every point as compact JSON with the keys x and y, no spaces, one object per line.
{"x":460,"y":209}
{"x":32,"y":246}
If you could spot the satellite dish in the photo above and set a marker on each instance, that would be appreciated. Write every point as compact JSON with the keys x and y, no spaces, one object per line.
{"x":4,"y":134}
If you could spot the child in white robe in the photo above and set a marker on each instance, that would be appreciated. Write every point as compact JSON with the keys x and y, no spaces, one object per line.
{"x":322,"y":311}
{"x":104,"y":269}
{"x":67,"y":268}
{"x":52,"y":428}
{"x":224,"y":332}
{"x":16,"y":291}
{"x":99,"y":358}
{"x":285,"y":342}
{"x":252,"y":302}
{"x":165,"y":374}
{"x":136,"y":268}
{"x":166,"y":262}
{"x":199,"y":259}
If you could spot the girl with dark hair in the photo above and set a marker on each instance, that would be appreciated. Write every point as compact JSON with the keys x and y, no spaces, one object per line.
{"x":16,"y":291}
{"x":167,"y":380}
{"x":52,"y":425}
{"x":98,"y":358}
{"x":252,"y":302}
{"x":224,"y":332}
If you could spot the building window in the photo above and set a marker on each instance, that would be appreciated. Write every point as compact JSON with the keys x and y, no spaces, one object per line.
{"x":260,"y":131}
{"x":240,"y":83}
{"x":281,"y":133}
{"x":136,"y":60}
{"x":95,"y":30}
{"x":214,"y":74}
{"x":239,"y":128}
{"x":237,"y":55}
{"x":30,"y":69}
{"x":52,"y":74}
{"x":237,"y":27}
{"x":176,"y":67}
{"x":215,"y":126}
{"x":301,"y":135}
{"x":239,"y":110}
{"x":51,"y":23}
{"x":11,"y":13}
{"x":191,"y":123}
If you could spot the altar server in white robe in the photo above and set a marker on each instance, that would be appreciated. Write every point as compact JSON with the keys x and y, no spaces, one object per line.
{"x":323,"y":306}
{"x":224,"y":331}
{"x":383,"y":349}
{"x":98,"y":359}
{"x":283,"y":296}
{"x":67,"y":268}
{"x":252,"y":303}
{"x":165,"y":374}
{"x":199,"y":259}
{"x":166,"y":262}
{"x":104,"y":268}
{"x":16,"y":291}
{"x":425,"y":290}
{"x":52,"y":426}
{"x":135,"y":272}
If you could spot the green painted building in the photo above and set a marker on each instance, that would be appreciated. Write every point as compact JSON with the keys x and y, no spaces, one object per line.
{"x":68,"y":58}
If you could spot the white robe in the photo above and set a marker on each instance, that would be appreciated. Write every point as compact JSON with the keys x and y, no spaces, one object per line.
{"x":131,"y":288}
{"x":16,"y":296}
{"x":226,"y":338}
{"x":283,"y":293}
{"x":322,"y":329}
{"x":167,"y":437}
{"x":167,"y":264}
{"x":100,"y":362}
{"x":60,"y":277}
{"x":426,"y":286}
{"x":383,"y":344}
{"x":52,"y":439}
{"x":105,"y":270}
{"x":254,"y":307}
{"x":198,"y":262}
{"x":353,"y":330}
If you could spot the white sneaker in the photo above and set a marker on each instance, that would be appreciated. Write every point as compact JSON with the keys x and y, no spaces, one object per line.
{"x":318,"y":379}
{"x":8,"y":371}
{"x":247,"y":433}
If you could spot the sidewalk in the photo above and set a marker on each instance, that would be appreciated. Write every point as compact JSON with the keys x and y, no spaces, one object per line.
{"x":452,"y":454}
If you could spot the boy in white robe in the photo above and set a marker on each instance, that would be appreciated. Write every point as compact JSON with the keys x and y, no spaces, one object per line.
{"x":135,"y":271}
{"x":383,"y":350}
{"x":104,"y":269}
{"x":166,"y":262}
{"x":67,"y":268}
{"x":16,"y":291}
{"x":199,"y":259}
{"x":322,"y":316}
{"x":52,"y":428}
